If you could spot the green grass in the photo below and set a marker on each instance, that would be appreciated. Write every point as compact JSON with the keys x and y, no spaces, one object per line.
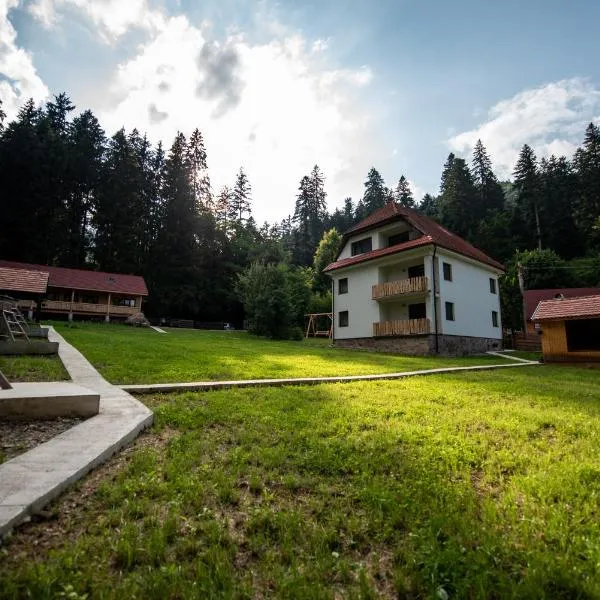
{"x":33,"y":368}
{"x":480,"y":485}
{"x":126,"y":355}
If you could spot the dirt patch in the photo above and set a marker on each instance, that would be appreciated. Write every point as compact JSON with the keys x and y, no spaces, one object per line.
{"x":17,"y":437}
{"x":68,"y":517}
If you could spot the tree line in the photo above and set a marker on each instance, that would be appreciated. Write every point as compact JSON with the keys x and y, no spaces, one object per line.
{"x":71,"y":196}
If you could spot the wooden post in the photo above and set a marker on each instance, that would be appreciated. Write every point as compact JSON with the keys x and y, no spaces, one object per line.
{"x":107,"y":317}
{"x":71,"y":307}
{"x":522,"y":289}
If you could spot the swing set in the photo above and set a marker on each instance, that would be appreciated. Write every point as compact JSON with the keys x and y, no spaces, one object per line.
{"x":319,"y":325}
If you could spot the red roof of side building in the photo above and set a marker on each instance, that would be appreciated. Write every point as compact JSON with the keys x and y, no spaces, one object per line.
{"x":532,"y":298}
{"x":586,"y":307}
{"x":80,"y":279}
{"x":23,"y":280}
{"x":433,"y":233}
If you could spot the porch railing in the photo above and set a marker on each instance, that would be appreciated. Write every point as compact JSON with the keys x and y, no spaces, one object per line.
{"x":389,"y":289}
{"x":88,"y":307}
{"x":401,"y":327}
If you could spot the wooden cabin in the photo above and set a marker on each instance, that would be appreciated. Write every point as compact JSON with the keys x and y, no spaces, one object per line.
{"x":75,"y":292}
{"x":570,"y":328}
{"x":531,"y":299}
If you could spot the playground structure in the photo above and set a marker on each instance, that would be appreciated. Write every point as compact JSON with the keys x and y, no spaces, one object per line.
{"x":319,"y":325}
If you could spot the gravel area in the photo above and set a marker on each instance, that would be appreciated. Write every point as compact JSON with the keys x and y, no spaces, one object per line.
{"x":17,"y":437}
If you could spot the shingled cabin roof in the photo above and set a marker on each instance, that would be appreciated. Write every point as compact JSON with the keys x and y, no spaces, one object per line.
{"x":80,"y":279}
{"x":23,"y":280}
{"x":532,"y":298}
{"x":586,"y":307}
{"x":432,"y":233}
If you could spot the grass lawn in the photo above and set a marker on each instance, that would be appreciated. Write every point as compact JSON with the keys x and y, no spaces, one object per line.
{"x":126,"y":355}
{"x":473,"y":485}
{"x":33,"y":368}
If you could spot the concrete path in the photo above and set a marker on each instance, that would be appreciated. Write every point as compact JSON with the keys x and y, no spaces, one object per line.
{"x":31,"y":480}
{"x":510,"y":357}
{"x":204,"y":386}
{"x":158,"y":329}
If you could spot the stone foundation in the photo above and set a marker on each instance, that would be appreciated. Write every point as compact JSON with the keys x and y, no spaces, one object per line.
{"x":416,"y":345}
{"x":423,"y":345}
{"x":462,"y":345}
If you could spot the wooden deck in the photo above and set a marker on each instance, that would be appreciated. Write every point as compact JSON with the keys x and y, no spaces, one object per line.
{"x":403,"y":327}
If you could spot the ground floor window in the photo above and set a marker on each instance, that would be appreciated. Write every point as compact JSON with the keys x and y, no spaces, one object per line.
{"x":343,"y":318}
{"x":494,"y":317}
{"x":583,"y":335}
{"x":417,"y":311}
{"x":449,"y":311}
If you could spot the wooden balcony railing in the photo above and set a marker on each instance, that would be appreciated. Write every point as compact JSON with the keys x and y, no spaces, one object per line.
{"x":404,"y":327}
{"x":390,"y":289}
{"x":87,"y":308}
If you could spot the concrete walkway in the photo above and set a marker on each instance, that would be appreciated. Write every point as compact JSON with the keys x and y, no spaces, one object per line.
{"x":205,"y":386}
{"x":31,"y":480}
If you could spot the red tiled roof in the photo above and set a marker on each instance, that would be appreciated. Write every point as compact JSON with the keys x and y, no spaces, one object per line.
{"x":424,"y":240}
{"x":79,"y":279}
{"x":433,"y":233}
{"x":532,"y":298}
{"x":568,"y":308}
{"x":23,"y":280}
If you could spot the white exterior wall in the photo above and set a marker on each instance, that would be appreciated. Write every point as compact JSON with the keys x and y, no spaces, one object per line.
{"x":469,"y":290}
{"x":362,"y":310}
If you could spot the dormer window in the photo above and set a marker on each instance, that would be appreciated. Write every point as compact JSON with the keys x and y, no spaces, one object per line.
{"x":361,"y":246}
{"x":398,"y":238}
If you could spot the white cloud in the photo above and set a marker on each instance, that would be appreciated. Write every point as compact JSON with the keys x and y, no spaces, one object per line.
{"x":20,"y":80}
{"x":112,"y":18}
{"x":275,"y":108}
{"x":551,"y":119}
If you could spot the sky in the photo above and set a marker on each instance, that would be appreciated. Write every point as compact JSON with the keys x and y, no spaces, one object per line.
{"x":276,"y":87}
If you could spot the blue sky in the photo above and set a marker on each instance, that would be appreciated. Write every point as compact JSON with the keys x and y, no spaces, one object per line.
{"x":277,"y":87}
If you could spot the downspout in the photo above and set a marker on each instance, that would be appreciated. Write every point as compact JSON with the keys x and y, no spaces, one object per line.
{"x":435,"y":314}
{"x":332,"y":311}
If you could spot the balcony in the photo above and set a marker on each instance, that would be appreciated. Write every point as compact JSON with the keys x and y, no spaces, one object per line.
{"x":403,"y":327}
{"x":87,"y":308}
{"x":400,"y":287}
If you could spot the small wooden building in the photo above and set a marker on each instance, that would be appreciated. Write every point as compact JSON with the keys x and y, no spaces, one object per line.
{"x":531,"y":299}
{"x":72,"y":292}
{"x":570,"y":328}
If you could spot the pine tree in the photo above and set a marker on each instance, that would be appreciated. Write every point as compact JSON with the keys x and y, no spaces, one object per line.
{"x":196,"y":163}
{"x":309,"y":216}
{"x":491,"y":196}
{"x":375,"y":195}
{"x":527,"y":185}
{"x":446,"y":171}
{"x":458,"y":199}
{"x":221,"y":210}
{"x":558,"y":188}
{"x":239,"y":203}
{"x":403,"y":194}
{"x":587,"y":167}
{"x":86,"y":147}
{"x":429,"y":206}
{"x":119,"y":206}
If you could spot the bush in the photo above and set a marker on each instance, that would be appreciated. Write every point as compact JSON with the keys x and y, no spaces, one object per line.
{"x":295,"y":333}
{"x":275,"y":298}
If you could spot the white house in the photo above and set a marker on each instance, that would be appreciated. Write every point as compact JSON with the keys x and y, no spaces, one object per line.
{"x":404,"y":283}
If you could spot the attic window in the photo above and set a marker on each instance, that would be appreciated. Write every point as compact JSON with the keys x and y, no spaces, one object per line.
{"x":361,"y":246}
{"x":111,"y":279}
{"x":398,"y":238}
